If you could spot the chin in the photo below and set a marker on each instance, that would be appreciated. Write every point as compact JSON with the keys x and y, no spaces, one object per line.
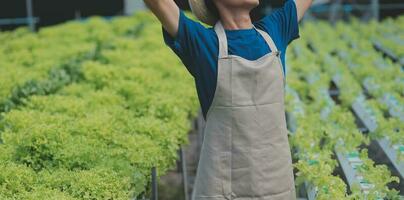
{"x":252,"y":3}
{"x":249,"y":4}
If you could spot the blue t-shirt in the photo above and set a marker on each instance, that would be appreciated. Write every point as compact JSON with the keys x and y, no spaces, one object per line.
{"x":198,"y":46}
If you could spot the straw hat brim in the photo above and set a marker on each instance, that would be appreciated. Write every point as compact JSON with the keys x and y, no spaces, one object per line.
{"x":201,"y":11}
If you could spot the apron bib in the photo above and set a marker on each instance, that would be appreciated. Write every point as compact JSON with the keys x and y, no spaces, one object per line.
{"x":245,"y":153}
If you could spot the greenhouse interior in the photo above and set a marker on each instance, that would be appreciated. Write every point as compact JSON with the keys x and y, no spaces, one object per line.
{"x":95,"y":105}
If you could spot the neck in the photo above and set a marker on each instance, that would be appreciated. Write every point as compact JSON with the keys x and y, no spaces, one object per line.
{"x":234,"y":19}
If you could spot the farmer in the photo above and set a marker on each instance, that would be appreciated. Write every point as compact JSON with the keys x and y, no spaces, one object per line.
{"x":239,"y":71}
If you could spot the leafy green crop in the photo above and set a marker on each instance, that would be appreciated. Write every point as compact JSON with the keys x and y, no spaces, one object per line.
{"x":92,"y":128}
{"x":341,"y":57}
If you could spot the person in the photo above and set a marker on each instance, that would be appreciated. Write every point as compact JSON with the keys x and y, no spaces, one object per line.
{"x":239,"y":70}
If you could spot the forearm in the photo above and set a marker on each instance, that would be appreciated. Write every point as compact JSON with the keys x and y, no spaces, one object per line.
{"x":167,"y":12}
{"x":302,"y":6}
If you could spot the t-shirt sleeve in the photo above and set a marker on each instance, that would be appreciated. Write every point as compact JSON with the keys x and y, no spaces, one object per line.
{"x":284,"y":21}
{"x":189,"y":42}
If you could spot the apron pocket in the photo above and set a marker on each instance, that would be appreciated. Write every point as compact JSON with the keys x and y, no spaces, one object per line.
{"x":225,"y":173}
{"x":241,"y":173}
{"x":210,"y":174}
{"x":272,"y":170}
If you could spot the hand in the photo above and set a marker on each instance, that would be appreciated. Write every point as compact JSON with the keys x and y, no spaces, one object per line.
{"x":302,"y":6}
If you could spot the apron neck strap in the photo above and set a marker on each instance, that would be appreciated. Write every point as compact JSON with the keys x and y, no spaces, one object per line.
{"x":268,"y":39}
{"x":223,"y":52}
{"x":221,"y":34}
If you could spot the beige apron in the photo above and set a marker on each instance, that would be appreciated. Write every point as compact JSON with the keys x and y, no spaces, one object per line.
{"x":245,"y":153}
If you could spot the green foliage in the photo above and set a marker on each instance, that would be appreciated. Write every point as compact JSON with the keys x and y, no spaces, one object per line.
{"x":328,"y":186}
{"x":323,"y":127}
{"x":89,"y":107}
{"x":379,"y":175}
{"x":92,"y":126}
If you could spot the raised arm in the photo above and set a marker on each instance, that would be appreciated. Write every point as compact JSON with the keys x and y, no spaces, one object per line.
{"x":302,"y":6}
{"x":167,"y":12}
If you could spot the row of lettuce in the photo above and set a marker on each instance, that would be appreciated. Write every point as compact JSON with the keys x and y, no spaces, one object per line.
{"x":88,"y":108}
{"x":321,"y":119}
{"x":391,"y":39}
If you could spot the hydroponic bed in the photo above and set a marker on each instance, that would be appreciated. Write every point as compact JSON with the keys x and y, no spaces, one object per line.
{"x":344,"y":96}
